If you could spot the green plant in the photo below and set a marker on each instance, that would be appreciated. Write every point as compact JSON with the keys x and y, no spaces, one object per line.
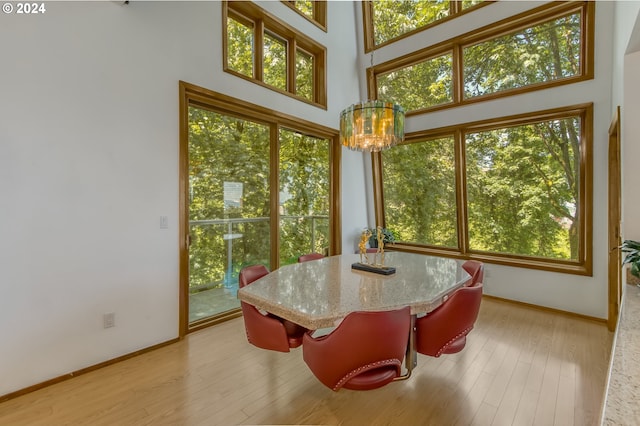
{"x":387,"y":237}
{"x":632,"y":250}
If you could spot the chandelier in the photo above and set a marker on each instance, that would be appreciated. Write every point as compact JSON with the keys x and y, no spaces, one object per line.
{"x":372,"y":126}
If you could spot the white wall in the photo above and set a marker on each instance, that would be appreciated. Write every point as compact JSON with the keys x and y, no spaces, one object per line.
{"x":579,"y":294}
{"x":89,"y":163}
{"x":626,"y":93}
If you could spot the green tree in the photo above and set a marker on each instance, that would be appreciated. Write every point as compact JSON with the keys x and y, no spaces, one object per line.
{"x":541,"y":53}
{"x":522,"y":189}
{"x":419,"y":192}
{"x":226,"y":149}
{"x":304,"y":191}
{"x":393,"y":18}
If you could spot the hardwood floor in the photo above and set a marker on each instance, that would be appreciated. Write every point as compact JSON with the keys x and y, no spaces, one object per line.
{"x":521,"y":366}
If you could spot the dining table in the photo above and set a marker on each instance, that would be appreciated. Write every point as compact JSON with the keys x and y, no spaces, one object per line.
{"x":320,"y":293}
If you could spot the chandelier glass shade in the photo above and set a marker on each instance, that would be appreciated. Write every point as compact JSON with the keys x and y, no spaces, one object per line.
{"x":372,"y":126}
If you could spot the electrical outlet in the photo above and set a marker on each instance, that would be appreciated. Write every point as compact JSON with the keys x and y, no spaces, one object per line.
{"x":109,"y":320}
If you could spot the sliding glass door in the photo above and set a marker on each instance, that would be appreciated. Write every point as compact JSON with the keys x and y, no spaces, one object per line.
{"x":229,"y":207}
{"x":255,"y":189}
{"x":304,"y":195}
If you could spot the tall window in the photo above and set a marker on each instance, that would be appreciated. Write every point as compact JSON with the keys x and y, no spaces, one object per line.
{"x":269,"y":52}
{"x":419,"y":183}
{"x":304,"y":182}
{"x":523,"y":194}
{"x":543,"y":48}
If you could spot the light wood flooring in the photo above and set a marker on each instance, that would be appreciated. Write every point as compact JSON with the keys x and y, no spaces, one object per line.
{"x":521,"y":366}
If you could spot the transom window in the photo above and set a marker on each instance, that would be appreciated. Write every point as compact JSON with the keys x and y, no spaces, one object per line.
{"x":388,"y":20}
{"x":267,"y":51}
{"x":314,"y":11}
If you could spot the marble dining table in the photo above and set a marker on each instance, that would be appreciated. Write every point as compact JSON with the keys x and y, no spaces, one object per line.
{"x":320,"y":293}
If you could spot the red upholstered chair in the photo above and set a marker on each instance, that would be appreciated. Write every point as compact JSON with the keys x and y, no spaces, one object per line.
{"x":364,"y":352}
{"x":310,"y":256}
{"x":267,"y":331}
{"x":444,"y":331}
{"x":476,"y":270}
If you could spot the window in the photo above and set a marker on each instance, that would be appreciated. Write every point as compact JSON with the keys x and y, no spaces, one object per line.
{"x":419,"y":183}
{"x":514,"y":190}
{"x":304,"y":182}
{"x":275,"y":62}
{"x":435,"y":75}
{"x":545,"y":47}
{"x":314,"y":11}
{"x":388,"y":20}
{"x":239,"y":46}
{"x":541,"y":53}
{"x":269,"y":52}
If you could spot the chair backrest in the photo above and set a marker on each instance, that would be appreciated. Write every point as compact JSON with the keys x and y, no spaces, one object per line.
{"x":363,"y":340}
{"x":249,"y":274}
{"x":450,"y":322}
{"x":263,"y":331}
{"x":475,"y":269}
{"x":310,"y":256}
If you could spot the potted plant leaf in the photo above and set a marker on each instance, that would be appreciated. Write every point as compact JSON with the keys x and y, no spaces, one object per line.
{"x":632,"y":250}
{"x":387,"y":237}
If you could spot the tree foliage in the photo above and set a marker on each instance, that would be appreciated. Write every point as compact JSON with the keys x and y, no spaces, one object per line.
{"x":419,"y":192}
{"x":393,"y":18}
{"x":541,"y":53}
{"x":304,"y":195}
{"x":239,"y":47}
{"x":522,"y":189}
{"x":275,"y":62}
{"x":434,"y":78}
{"x":225,"y":151}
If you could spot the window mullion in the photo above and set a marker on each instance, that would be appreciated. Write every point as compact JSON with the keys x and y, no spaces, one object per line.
{"x":274,"y":190}
{"x":461,"y":191}
{"x":291,"y":65}
{"x":458,"y":74}
{"x":258,"y":51}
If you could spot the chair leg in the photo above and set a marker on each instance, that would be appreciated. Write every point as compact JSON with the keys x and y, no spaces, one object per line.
{"x":411,"y":356}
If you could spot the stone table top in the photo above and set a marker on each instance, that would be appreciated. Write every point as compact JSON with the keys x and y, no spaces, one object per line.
{"x":319,"y":293}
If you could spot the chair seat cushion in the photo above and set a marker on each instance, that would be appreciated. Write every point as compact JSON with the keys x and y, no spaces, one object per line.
{"x":372,"y":379}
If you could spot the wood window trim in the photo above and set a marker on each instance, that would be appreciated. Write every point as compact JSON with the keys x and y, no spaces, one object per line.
{"x":319,"y":13}
{"x":582,"y":266}
{"x":455,"y":45}
{"x":368,"y":26}
{"x":248,"y":12}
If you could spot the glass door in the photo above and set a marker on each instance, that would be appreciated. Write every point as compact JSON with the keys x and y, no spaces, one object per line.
{"x":229,"y":208}
{"x":304,"y":185}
